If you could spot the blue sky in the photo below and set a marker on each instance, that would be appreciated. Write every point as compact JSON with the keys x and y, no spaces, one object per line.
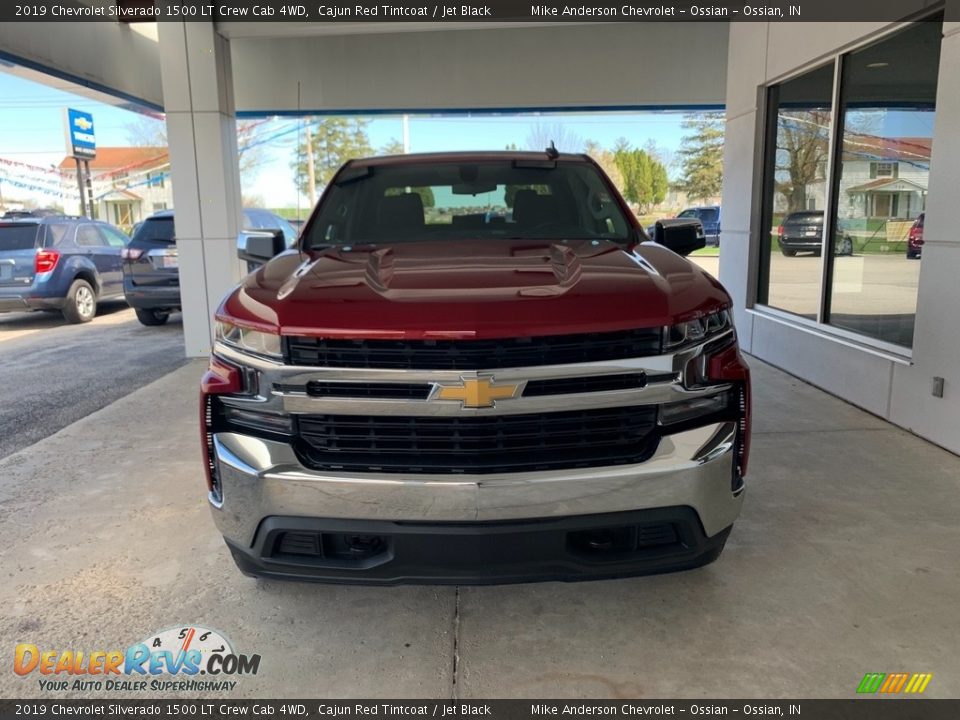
{"x":31,"y":131}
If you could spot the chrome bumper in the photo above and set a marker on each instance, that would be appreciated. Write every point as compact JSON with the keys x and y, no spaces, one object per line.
{"x":261,"y":478}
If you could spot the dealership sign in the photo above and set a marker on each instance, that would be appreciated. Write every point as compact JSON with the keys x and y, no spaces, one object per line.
{"x":81,"y":139}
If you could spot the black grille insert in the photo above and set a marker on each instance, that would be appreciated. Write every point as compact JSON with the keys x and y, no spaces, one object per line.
{"x":485,"y":444}
{"x":593,"y":383}
{"x":473,"y":354}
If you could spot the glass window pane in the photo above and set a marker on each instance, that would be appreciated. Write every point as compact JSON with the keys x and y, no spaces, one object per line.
{"x":888,"y":98}
{"x":795,"y":192}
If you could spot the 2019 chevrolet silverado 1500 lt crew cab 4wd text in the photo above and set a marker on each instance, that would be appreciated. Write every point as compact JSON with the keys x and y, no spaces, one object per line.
{"x":474,"y":368}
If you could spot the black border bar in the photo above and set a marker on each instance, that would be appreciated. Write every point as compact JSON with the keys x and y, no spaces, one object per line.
{"x":875,"y":708}
{"x":449,"y":11}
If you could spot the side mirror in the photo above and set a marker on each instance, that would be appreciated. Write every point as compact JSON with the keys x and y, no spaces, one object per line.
{"x":683,"y":236}
{"x":260,"y":246}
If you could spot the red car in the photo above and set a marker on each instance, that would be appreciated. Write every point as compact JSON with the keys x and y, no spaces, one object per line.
{"x":474,"y":368}
{"x":915,"y":238}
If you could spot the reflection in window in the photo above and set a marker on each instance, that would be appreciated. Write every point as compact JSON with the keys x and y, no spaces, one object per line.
{"x":888,"y":97}
{"x":795,"y":192}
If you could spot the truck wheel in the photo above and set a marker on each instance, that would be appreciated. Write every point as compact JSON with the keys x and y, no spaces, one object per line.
{"x":788,"y":253}
{"x":152,"y":317}
{"x":81,"y":303}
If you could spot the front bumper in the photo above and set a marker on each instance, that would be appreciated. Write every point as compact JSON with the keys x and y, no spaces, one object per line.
{"x":480,"y":528}
{"x":570,"y":548}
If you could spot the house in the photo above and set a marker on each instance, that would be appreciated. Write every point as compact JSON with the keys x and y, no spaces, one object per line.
{"x":129,"y":184}
{"x":884,"y":178}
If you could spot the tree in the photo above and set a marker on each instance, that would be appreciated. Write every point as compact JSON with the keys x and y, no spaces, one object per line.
{"x":801,"y":159}
{"x":701,"y":156}
{"x":661,"y":179}
{"x":394,"y":147}
{"x":606,"y":161}
{"x":148,"y":131}
{"x":644,"y":177}
{"x":334,"y":141}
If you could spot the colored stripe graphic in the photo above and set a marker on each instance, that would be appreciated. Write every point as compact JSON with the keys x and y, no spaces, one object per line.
{"x":918,"y":683}
{"x":871,"y":682}
{"x":893,"y":683}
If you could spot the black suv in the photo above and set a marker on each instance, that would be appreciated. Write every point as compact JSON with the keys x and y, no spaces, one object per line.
{"x":59,"y":262}
{"x":802,"y":231}
{"x":151,"y":277}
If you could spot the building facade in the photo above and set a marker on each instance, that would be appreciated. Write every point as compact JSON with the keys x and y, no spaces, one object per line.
{"x":128,"y":184}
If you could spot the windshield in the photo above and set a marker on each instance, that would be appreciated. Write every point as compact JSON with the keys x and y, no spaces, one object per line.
{"x":707,"y":215}
{"x":18,"y":237}
{"x":153,"y":230}
{"x":812,"y":216}
{"x":479,"y":200}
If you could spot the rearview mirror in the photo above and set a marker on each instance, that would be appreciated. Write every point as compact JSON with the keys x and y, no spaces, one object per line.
{"x":260,"y":246}
{"x":683,"y":236}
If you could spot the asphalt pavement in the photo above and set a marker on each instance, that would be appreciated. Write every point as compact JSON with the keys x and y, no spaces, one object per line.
{"x":53,"y":373}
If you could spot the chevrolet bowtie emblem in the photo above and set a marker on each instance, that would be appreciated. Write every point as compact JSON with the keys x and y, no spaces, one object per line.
{"x":477,"y":392}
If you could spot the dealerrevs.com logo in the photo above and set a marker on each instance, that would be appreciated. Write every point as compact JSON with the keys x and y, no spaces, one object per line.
{"x":170,"y":660}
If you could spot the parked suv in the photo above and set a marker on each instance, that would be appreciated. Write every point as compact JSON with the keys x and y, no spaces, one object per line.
{"x":151,"y":274}
{"x":56,"y":262}
{"x":709,"y":217}
{"x":802,"y":231}
{"x":474,"y":368}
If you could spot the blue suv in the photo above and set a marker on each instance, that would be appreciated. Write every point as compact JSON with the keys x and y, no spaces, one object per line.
{"x":59,"y":262}
{"x":709,"y":217}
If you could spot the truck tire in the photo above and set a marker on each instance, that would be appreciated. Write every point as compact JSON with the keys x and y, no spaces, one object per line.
{"x":152,"y":318}
{"x":81,"y":303}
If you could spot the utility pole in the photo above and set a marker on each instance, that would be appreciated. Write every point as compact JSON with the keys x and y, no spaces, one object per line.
{"x":90,"y":204}
{"x":83,"y":194}
{"x":311,"y":177}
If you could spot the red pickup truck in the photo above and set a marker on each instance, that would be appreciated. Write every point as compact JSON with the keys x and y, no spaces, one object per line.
{"x":474,"y":368}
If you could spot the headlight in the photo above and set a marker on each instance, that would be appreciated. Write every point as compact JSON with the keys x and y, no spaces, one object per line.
{"x":246,"y":340}
{"x":696,"y":331}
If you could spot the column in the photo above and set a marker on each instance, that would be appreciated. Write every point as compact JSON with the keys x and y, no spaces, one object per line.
{"x":201,"y":132}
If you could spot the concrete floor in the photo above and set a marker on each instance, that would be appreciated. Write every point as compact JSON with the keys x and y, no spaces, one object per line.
{"x":844,"y":562}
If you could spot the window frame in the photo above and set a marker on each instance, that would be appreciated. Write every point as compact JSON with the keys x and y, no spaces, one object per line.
{"x":767,"y":132}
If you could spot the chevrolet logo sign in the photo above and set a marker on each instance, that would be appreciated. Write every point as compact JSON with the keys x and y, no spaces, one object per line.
{"x":82,"y":123}
{"x":478,"y":392}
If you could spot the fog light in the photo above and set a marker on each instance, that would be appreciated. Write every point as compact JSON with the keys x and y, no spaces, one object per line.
{"x":679,"y":412}
{"x":256,"y":420}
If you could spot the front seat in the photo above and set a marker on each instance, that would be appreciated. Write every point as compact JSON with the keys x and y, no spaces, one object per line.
{"x":531,"y":209}
{"x":400,"y":215}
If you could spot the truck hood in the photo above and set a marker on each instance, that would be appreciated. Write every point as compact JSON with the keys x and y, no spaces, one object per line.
{"x":472,"y":289}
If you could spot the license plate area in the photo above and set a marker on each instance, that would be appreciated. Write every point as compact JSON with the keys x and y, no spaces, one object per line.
{"x":6,"y":270}
{"x":164,"y":259}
